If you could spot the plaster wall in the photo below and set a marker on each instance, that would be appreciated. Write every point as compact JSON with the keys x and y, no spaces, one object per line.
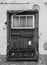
{"x":42,"y":21}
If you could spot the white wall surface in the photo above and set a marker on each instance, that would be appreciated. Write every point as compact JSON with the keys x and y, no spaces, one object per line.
{"x":42,"y":21}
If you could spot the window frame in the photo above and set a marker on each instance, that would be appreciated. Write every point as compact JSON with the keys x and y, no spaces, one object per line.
{"x":19,"y":22}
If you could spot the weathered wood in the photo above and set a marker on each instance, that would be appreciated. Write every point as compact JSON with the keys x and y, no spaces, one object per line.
{"x":18,"y":47}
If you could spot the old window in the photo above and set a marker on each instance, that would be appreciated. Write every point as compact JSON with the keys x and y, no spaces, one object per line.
{"x":22,"y":21}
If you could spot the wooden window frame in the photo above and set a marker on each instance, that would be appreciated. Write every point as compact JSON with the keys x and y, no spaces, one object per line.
{"x":19,"y":22}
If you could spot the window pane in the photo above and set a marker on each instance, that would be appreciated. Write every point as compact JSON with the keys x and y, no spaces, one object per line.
{"x":22,"y":21}
{"x":29,"y":21}
{"x":16,"y":21}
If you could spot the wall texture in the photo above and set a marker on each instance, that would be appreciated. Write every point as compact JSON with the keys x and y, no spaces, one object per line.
{"x":29,"y":6}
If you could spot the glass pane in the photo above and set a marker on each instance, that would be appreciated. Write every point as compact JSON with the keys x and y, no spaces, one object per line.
{"x":16,"y":21}
{"x":29,"y":21}
{"x":22,"y":21}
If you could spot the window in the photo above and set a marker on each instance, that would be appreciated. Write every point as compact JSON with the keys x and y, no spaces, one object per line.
{"x":16,"y":21}
{"x":22,"y":21}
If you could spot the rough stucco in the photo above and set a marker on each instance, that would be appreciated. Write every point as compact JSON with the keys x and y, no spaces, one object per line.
{"x":42,"y":21}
